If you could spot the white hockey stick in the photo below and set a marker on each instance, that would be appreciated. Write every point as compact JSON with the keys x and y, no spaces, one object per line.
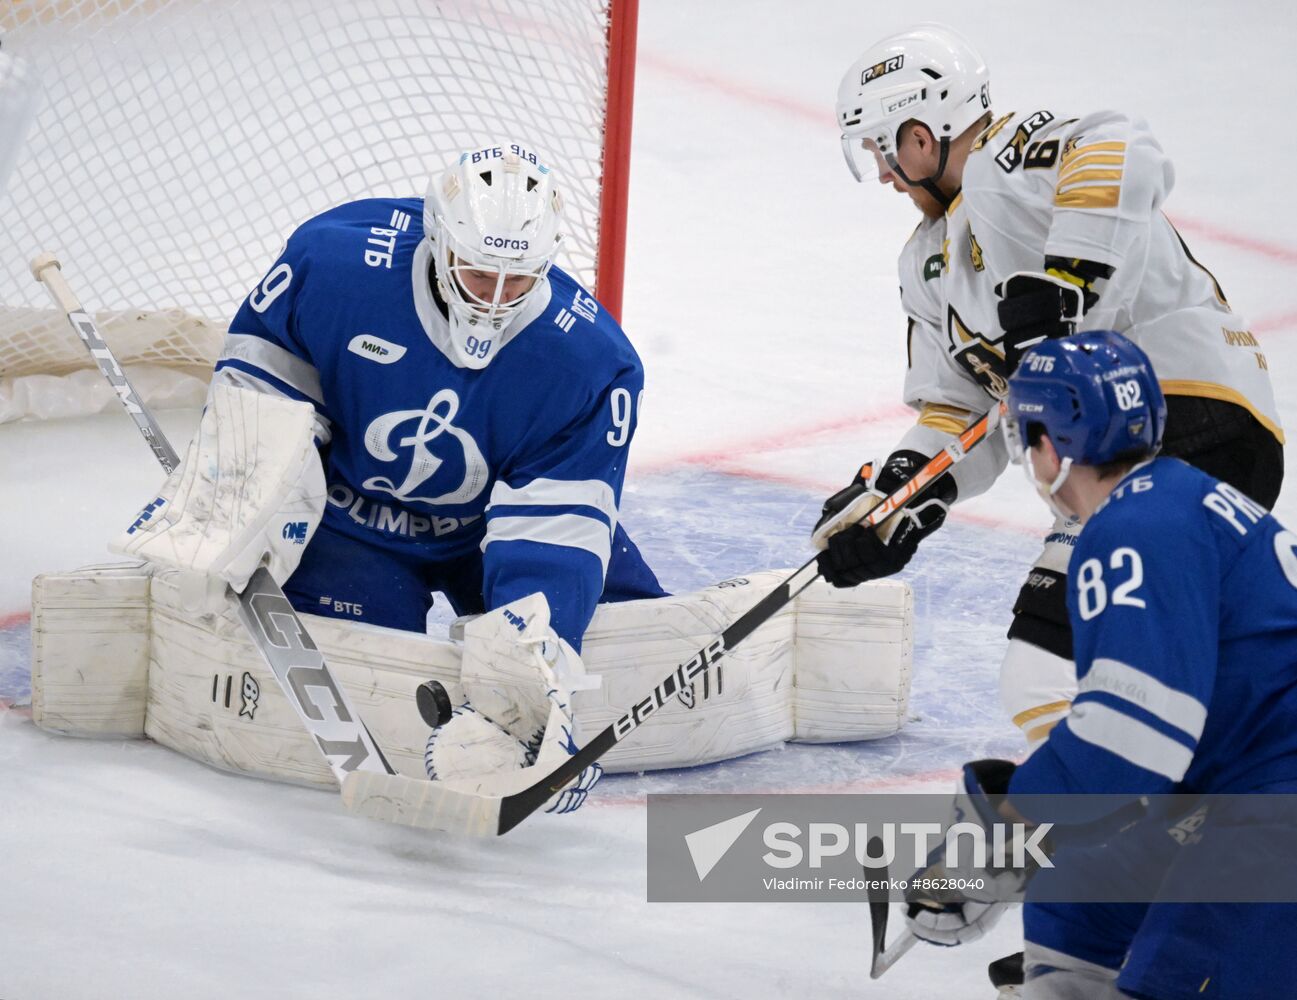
{"x":272,"y":624}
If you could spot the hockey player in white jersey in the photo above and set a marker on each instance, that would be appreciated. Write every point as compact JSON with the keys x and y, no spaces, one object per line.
{"x":1052,"y":222}
{"x":1183,"y":605}
{"x":469,"y":409}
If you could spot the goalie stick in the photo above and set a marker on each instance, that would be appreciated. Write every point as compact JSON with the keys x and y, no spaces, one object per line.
{"x":272,"y":624}
{"x":882,"y":957}
{"x":496,"y":804}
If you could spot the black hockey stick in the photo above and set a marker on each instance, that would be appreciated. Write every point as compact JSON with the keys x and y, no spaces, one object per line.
{"x":881,"y":957}
{"x":495,"y":805}
{"x":272,"y":624}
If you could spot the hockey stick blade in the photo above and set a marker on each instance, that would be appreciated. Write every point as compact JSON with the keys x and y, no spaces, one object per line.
{"x":497,"y":805}
{"x":883,"y":958}
{"x":273,"y":626}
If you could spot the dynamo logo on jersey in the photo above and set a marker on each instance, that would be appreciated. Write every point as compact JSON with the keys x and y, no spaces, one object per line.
{"x":415,"y":430}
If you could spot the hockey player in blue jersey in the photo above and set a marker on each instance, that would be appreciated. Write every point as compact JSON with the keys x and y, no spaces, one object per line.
{"x":1183,"y":601}
{"x":474,"y":403}
{"x":471,"y":409}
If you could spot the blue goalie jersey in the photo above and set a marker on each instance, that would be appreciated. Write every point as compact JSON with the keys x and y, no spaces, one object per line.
{"x":1183,"y":602}
{"x":486,"y":483}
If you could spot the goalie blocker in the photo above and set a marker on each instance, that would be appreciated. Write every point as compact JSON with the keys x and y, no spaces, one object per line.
{"x":115,"y":653}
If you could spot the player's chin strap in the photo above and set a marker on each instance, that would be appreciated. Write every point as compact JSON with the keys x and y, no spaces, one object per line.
{"x":1049,"y":491}
{"x":928,"y":183}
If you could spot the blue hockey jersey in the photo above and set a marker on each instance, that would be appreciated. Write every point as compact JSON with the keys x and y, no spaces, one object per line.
{"x":522,"y":459}
{"x":1183,"y":602}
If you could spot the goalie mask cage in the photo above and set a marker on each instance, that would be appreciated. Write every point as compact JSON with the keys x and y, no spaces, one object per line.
{"x":163,"y":150}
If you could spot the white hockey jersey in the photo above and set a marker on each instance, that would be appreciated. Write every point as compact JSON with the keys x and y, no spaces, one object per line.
{"x":1092,"y":188}
{"x":942,"y":392}
{"x":1089,"y":188}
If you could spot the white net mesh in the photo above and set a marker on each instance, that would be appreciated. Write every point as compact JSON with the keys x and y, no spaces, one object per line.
{"x":175,"y":143}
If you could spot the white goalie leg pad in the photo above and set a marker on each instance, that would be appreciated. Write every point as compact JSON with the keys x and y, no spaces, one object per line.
{"x":107,"y":656}
{"x":1036,"y":689}
{"x":212,"y":697}
{"x":833,"y":665}
{"x":90,"y":651}
{"x":116,"y":653}
{"x":853,"y":650}
{"x":249,"y":491}
{"x":743,"y":703}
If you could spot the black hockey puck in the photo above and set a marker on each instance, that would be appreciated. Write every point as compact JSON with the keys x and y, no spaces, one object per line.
{"x":434,"y":703}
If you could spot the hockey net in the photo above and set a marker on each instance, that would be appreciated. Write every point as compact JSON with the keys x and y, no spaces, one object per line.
{"x":163,"y":149}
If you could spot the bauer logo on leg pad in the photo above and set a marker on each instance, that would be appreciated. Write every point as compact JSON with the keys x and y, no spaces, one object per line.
{"x":673,"y":685}
{"x":689,"y":696}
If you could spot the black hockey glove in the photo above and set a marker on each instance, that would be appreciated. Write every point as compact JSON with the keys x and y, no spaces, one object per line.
{"x":1045,"y":306}
{"x":857,"y":554}
{"x":1034,"y":308}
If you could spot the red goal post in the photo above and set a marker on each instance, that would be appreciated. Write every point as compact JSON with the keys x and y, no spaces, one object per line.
{"x":162,"y":149}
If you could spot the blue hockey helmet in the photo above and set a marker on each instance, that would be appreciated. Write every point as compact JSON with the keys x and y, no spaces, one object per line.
{"x":1096,"y":396}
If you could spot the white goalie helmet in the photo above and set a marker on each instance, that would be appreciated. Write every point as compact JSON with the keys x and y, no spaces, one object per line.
{"x":494,"y":219}
{"x":928,"y":73}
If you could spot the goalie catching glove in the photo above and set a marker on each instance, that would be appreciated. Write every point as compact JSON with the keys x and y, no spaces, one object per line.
{"x":952,"y":923}
{"x":250,"y":492}
{"x":949,"y":917}
{"x":519,"y":678}
{"x":852,"y":553}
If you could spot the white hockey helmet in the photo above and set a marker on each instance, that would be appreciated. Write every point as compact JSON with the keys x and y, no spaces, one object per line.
{"x":494,"y":219}
{"x":927,"y":73}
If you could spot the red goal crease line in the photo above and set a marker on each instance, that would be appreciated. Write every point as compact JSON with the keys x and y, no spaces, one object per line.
{"x":16,"y":619}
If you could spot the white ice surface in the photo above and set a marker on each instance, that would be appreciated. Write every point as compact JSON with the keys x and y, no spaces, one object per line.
{"x":761,"y":294}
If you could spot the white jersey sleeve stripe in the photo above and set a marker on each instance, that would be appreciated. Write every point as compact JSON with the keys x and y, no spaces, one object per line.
{"x":261,"y":353}
{"x":571,"y":530}
{"x":558,"y":493}
{"x":1113,"y":677}
{"x":1130,"y":739}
